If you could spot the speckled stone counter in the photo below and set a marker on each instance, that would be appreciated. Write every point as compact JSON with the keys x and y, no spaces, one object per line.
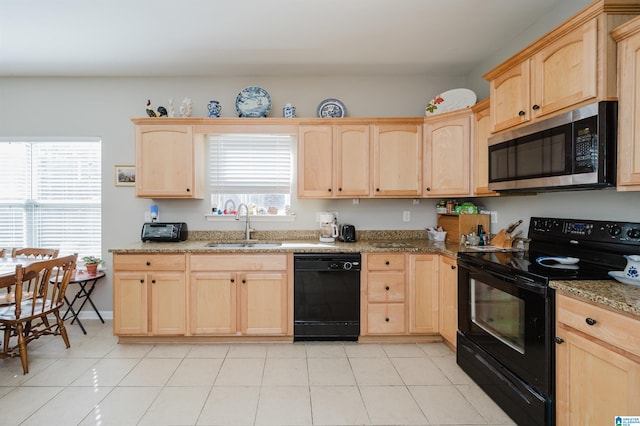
{"x":297,"y":246}
{"x":609,"y":293}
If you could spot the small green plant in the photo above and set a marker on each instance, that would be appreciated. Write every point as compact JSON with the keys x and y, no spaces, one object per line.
{"x":90,"y":260}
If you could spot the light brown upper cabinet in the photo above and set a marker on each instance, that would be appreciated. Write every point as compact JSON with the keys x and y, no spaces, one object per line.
{"x":480,"y":149}
{"x":333,"y":161}
{"x":447,"y":153}
{"x":397,"y":159}
{"x":169,"y":162}
{"x":628,"y":37}
{"x":571,"y":65}
{"x":560,"y":75}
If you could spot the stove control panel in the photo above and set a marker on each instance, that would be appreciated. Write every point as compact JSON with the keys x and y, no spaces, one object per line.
{"x":585,"y":230}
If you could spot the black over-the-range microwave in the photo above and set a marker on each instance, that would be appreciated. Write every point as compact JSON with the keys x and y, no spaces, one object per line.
{"x":575,"y":150}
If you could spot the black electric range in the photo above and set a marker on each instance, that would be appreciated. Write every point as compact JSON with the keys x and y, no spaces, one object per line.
{"x":596,"y":247}
{"x":506,"y":309}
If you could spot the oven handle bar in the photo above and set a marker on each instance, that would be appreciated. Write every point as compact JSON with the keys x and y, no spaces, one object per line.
{"x":516,"y":280}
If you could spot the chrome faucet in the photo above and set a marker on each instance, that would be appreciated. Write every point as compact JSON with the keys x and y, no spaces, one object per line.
{"x":247,"y":227}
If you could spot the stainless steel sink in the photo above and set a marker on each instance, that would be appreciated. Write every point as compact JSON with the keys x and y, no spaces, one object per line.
{"x":249,"y":244}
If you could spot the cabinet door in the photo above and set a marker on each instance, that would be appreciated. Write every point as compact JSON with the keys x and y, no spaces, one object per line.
{"x":130,"y":304}
{"x":168,"y":303}
{"x":423,"y":293}
{"x":352,"y":161}
{"x":397,"y":160}
{"x":447,"y":156}
{"x":165,"y":166}
{"x":564,"y":72}
{"x":448,"y":306}
{"x":593,"y":383}
{"x":510,"y":99}
{"x":213,"y":303}
{"x":629,"y":114}
{"x":263,"y":303}
{"x":315,"y":161}
{"x":481,"y":133}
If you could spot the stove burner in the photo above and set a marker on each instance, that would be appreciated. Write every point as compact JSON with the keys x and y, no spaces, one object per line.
{"x":558,"y":262}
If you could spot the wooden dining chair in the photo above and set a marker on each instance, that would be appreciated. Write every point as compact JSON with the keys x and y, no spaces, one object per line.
{"x":27,"y":318}
{"x":3,"y":252}
{"x":33,"y":252}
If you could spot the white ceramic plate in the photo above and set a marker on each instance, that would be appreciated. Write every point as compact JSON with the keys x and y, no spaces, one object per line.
{"x":253,"y":102}
{"x":331,"y":108}
{"x":451,"y":100}
{"x":620,"y":276}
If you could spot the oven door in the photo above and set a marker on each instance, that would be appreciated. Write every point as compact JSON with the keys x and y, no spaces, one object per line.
{"x":511,"y":319}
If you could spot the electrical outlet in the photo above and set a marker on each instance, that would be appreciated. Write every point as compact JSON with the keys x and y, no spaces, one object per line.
{"x":494,"y":217}
{"x":406,"y":216}
{"x":147,"y":216}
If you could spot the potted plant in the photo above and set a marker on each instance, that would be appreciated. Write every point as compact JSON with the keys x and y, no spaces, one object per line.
{"x":91,"y":263}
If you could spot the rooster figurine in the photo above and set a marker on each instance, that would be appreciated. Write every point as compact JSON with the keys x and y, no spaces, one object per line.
{"x":150,"y":111}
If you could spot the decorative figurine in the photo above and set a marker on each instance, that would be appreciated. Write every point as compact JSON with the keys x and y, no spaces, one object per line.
{"x":150,"y":111}
{"x":162,"y":111}
{"x":289,"y":111}
{"x":214,"y":109}
{"x":185,"y":108}
{"x":170,"y":112}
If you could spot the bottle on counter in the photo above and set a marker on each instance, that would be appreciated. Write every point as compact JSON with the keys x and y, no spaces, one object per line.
{"x":481,"y":235}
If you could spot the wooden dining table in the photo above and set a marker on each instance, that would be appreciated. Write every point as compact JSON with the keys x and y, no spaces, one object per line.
{"x":7,"y":275}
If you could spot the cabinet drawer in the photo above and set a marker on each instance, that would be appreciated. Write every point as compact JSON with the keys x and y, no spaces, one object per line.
{"x":385,"y":287}
{"x":238,"y":262}
{"x":149,"y":262}
{"x":385,"y":262}
{"x":610,"y":327}
{"x":385,"y":318}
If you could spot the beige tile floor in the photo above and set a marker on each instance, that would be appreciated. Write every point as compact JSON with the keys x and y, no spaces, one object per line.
{"x":99,"y":382}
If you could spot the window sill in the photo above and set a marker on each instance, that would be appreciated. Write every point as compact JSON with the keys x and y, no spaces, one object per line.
{"x":255,"y":218}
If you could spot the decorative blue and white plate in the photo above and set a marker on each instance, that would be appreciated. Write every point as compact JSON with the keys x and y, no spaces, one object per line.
{"x":620,"y":276}
{"x":253,"y":102}
{"x":331,"y":108}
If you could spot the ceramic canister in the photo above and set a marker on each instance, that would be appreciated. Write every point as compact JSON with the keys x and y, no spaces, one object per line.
{"x":289,"y":111}
{"x":214,"y":109}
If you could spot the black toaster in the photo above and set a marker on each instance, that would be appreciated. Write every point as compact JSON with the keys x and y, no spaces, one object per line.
{"x":166,"y":232}
{"x":348,"y":233}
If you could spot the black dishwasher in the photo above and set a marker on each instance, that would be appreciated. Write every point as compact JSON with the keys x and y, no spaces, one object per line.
{"x":326,"y":296}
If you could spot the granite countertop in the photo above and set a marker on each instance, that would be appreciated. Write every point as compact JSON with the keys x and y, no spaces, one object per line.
{"x":297,"y":246}
{"x":609,"y":293}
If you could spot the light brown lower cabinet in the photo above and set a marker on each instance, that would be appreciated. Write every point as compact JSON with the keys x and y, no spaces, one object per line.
{"x":448,"y":297}
{"x":383,"y":286}
{"x":597,"y":364}
{"x":423,"y":293}
{"x":149,"y":295}
{"x":400,"y":294}
{"x":239,"y":294}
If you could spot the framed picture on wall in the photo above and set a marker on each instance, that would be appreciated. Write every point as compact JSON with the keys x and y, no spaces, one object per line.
{"x":125,"y":175}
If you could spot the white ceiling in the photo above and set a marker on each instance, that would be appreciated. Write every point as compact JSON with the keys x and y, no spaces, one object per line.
{"x":256,"y":37}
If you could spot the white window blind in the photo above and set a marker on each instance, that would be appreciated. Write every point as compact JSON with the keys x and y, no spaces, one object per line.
{"x":257,"y":164}
{"x":51,"y":195}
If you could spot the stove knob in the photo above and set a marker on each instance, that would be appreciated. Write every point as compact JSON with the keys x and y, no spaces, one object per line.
{"x":615,"y":230}
{"x":633,"y":233}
